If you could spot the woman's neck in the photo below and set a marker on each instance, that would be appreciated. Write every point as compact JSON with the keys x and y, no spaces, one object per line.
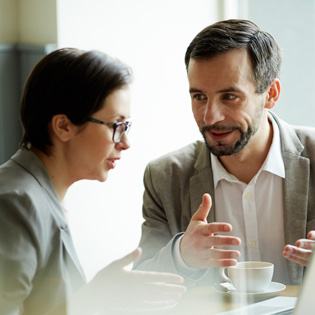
{"x":56,"y":172}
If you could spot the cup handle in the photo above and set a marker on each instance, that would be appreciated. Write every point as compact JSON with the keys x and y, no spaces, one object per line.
{"x":223,"y":276}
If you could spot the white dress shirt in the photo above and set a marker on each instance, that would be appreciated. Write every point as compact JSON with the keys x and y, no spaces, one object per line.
{"x":255,"y":210}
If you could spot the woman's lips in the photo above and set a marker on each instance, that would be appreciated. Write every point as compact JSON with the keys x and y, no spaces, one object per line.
{"x":112,"y":163}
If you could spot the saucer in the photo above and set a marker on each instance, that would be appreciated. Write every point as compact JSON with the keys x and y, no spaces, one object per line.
{"x":228,"y":290}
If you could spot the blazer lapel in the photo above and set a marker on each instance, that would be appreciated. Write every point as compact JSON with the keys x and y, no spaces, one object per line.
{"x":202,"y":182}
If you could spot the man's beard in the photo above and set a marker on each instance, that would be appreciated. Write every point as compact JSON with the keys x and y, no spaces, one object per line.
{"x":221,"y":149}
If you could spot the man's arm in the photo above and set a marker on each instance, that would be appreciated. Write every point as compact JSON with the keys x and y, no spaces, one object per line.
{"x":200,"y":247}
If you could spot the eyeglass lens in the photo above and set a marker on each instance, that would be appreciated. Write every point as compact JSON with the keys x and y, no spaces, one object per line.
{"x":119,"y":132}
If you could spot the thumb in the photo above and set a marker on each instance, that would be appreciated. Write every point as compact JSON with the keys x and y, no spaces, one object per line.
{"x":202,"y":213}
{"x":128,"y":259}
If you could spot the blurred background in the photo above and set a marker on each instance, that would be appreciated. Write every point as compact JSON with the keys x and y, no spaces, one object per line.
{"x":151,"y":37}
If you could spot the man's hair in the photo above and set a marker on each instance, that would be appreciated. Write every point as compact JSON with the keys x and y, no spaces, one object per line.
{"x":226,"y":35}
{"x":67,"y":81}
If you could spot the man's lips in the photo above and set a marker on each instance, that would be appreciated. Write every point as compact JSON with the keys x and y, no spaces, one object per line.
{"x":219,"y":135}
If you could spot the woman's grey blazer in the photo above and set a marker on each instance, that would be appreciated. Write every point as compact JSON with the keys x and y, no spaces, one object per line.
{"x":39,"y":267}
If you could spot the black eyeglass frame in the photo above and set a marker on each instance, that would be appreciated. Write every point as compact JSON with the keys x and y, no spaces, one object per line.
{"x":126,"y":125}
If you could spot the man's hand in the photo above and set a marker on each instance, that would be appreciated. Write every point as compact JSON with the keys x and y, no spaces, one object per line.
{"x":302,"y":251}
{"x":200,"y":247}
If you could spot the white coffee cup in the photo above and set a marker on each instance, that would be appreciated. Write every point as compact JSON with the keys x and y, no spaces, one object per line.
{"x":249,"y":276}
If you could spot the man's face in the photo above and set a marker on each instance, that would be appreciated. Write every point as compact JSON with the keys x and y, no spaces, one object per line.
{"x":225,"y":104}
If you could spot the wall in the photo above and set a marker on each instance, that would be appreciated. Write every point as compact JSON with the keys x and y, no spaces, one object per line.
{"x":26,"y":26}
{"x":292,"y":23}
{"x":8,"y":21}
{"x":151,"y":37}
{"x":28,"y":21}
{"x":37,"y":21}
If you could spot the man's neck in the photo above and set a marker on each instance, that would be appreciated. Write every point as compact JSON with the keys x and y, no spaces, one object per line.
{"x":245,"y":164}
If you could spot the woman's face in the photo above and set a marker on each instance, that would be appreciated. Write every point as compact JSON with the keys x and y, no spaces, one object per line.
{"x":92,"y":150}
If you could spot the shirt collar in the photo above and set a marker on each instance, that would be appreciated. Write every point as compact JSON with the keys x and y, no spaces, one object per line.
{"x":273,"y":163}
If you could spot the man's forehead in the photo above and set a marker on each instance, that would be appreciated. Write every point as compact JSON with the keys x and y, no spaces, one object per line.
{"x":233,"y":66}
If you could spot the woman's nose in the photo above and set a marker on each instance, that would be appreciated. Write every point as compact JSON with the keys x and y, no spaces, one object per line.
{"x":124,"y":143}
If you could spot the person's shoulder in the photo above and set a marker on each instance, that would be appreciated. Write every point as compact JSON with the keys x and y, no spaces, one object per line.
{"x":183,"y":156}
{"x":14,"y":177}
{"x":306,"y":134}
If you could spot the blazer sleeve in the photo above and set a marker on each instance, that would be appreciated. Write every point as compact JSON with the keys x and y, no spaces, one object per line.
{"x":159,"y":233}
{"x":18,"y":253}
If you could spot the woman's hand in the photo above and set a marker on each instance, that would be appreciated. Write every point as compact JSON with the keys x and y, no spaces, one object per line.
{"x":116,"y":287}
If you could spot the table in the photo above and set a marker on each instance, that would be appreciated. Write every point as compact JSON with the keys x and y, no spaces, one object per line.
{"x":205,"y":301}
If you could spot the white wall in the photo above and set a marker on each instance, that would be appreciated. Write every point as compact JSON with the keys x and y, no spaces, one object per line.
{"x":152,"y":37}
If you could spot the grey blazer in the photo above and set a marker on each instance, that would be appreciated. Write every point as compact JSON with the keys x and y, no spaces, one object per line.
{"x":39,"y":267}
{"x":174,"y":185}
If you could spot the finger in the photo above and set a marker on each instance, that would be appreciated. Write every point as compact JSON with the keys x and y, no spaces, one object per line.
{"x":215,"y":227}
{"x":202,"y":213}
{"x":128,"y":259}
{"x":311,"y":235}
{"x":298,"y":255}
{"x":215,"y":263}
{"x":305,"y":243}
{"x":218,"y":241}
{"x":296,"y":259}
{"x":219,"y":254}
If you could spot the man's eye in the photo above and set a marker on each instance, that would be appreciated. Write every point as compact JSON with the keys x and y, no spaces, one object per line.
{"x":229,"y":97}
{"x":199,"y":97}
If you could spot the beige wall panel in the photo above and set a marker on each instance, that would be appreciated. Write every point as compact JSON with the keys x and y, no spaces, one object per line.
{"x":8,"y":22}
{"x":37,"y":21}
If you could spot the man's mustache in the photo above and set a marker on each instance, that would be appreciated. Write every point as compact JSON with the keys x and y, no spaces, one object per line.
{"x":213,"y":128}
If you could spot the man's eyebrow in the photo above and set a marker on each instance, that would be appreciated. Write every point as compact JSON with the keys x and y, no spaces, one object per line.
{"x":231,"y":89}
{"x":227,"y":90}
{"x":193,"y":90}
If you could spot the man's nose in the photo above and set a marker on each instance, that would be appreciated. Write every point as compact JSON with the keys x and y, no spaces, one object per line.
{"x":213,"y":112}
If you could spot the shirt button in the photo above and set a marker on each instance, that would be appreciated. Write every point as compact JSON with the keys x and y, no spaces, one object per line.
{"x":252,"y":244}
{"x":248,"y":196}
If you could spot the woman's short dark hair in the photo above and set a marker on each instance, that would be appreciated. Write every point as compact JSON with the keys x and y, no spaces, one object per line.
{"x":67,"y":81}
{"x":226,"y":35}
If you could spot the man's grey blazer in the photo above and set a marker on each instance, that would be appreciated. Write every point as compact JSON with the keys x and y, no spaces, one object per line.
{"x":175,"y":183}
{"x":39,"y":267}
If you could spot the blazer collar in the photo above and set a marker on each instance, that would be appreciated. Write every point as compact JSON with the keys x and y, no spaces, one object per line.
{"x":33,"y":165}
{"x":202,"y":181}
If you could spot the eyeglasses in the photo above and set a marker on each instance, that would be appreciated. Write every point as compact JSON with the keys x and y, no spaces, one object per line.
{"x":120,"y":128}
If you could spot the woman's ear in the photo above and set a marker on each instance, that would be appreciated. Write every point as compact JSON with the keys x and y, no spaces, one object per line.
{"x":61,"y":127}
{"x":273,"y":93}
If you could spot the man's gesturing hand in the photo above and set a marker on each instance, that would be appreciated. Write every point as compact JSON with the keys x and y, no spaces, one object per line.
{"x":301,"y":253}
{"x":200,"y":247}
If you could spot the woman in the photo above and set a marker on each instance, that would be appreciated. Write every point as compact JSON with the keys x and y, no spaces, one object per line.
{"x":74,"y":111}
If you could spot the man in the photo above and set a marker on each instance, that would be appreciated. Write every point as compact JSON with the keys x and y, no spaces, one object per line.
{"x":254,"y":171}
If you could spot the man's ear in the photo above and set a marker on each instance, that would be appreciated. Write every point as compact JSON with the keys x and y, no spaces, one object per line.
{"x":61,"y":127}
{"x":273,"y":93}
